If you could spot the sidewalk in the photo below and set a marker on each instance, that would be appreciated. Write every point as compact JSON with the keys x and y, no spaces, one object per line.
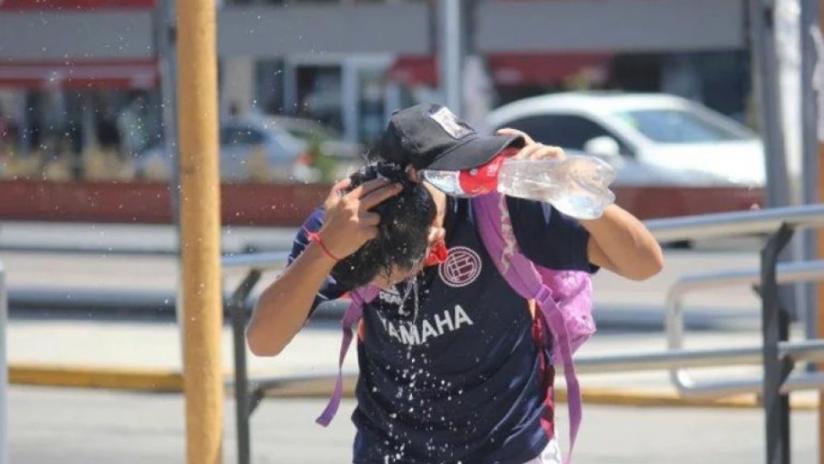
{"x":140,"y":238}
{"x":146,"y":355}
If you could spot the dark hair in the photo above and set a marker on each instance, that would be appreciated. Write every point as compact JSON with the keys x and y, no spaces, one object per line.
{"x":402,"y":233}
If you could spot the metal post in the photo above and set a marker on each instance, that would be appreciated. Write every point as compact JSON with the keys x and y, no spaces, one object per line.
{"x":767,"y":86}
{"x":200,"y":231}
{"x":236,"y":306}
{"x":765,"y":76}
{"x":166,"y":36}
{"x":775,"y":326}
{"x":812,"y":24}
{"x":4,"y":375}
{"x":351,"y":94}
{"x":809,"y":19}
{"x":450,"y":53}
{"x":290,"y":87}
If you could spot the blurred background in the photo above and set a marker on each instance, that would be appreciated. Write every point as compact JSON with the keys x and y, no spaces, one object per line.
{"x":306,"y":87}
{"x":702,"y":106}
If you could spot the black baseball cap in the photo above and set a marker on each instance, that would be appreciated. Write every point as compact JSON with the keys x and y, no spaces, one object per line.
{"x":429,"y":136}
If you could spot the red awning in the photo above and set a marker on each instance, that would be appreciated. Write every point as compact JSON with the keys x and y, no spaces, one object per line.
{"x":414,"y":70}
{"x":506,"y":68}
{"x":113,"y":74}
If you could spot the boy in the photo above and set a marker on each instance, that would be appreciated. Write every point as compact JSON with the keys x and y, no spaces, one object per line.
{"x":453,"y":365}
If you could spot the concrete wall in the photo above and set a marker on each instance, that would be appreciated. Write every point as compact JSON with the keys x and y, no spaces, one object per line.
{"x":44,"y":35}
{"x":333,"y":29}
{"x":404,"y":28}
{"x":616,"y":25}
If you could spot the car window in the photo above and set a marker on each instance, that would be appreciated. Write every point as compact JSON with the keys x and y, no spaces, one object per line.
{"x":238,"y":135}
{"x":566,"y":131}
{"x":677,"y":126}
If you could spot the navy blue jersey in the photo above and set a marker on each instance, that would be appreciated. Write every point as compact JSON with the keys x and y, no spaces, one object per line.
{"x":450,"y":368}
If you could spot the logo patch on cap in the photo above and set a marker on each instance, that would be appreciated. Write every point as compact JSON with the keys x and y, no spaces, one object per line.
{"x":449,"y":122}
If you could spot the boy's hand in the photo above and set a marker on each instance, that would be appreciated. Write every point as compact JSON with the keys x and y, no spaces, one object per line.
{"x":533,"y":150}
{"x":349,"y":223}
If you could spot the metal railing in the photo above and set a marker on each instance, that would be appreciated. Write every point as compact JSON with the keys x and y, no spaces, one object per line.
{"x":776,"y":354}
{"x":786,"y":273}
{"x":247,"y":394}
{"x":766,"y":221}
{"x":4,"y":375}
{"x":69,"y":298}
{"x":780,"y":224}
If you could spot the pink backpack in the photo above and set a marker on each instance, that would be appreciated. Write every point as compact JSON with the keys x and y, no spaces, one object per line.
{"x":564,"y":299}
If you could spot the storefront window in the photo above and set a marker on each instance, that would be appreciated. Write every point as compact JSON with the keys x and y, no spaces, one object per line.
{"x":66,"y":134}
{"x":371,"y":104}
{"x":319,"y":94}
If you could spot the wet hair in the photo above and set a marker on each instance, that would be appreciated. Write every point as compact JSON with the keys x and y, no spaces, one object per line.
{"x":402,"y":233}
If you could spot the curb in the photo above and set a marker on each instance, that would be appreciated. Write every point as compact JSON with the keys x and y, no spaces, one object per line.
{"x":629,"y":397}
{"x":156,"y":380}
{"x":160,"y":380}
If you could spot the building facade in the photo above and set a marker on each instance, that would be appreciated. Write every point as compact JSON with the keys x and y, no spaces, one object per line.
{"x":346,"y":64}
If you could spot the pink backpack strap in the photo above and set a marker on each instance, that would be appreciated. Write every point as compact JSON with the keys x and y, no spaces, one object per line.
{"x":360,"y":298}
{"x":520,"y":273}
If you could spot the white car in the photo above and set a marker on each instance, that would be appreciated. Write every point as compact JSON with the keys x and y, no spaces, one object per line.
{"x":250,"y":149}
{"x":308,"y":130}
{"x":650,"y":138}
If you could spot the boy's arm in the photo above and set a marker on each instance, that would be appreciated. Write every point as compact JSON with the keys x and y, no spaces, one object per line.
{"x":618,"y":241}
{"x":621,"y":243}
{"x":284,"y":306}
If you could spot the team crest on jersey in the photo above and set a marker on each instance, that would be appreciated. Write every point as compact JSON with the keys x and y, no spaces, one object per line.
{"x":461,"y":268}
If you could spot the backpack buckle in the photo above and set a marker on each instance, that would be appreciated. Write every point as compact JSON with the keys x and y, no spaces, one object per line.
{"x":544,"y":294}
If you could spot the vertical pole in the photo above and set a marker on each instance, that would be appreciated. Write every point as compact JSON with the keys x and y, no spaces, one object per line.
{"x":766,"y":85}
{"x":775,"y":323}
{"x":200,"y":230}
{"x":815,"y":55}
{"x":4,"y":376}
{"x":809,"y":171}
{"x":244,"y":452}
{"x":243,"y":410}
{"x":290,"y":87}
{"x":450,"y":53}
{"x":166,"y":34}
{"x":765,"y":76}
{"x":351,"y":95}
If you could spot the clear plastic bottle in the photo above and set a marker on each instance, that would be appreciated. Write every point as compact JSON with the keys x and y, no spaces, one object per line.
{"x":577,"y":186}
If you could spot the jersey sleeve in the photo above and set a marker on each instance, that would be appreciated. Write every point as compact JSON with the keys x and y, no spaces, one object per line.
{"x":330,"y":290}
{"x":548,"y":237}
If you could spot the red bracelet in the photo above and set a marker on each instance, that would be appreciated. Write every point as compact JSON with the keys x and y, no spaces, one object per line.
{"x":315,"y":237}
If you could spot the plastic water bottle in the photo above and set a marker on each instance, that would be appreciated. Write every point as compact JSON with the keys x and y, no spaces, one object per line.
{"x":577,"y":186}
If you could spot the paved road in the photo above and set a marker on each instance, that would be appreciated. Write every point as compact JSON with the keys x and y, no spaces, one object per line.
{"x":65,"y":426}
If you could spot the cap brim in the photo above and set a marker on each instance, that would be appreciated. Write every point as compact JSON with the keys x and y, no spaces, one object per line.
{"x":474,"y":152}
